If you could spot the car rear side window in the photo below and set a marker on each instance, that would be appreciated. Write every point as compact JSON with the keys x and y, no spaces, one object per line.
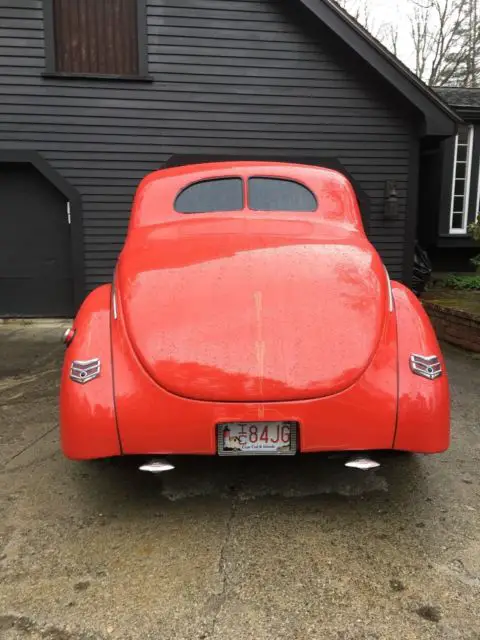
{"x":276,"y":194}
{"x":210,"y":196}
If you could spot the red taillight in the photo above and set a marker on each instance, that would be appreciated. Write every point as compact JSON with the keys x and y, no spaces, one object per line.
{"x":68,"y":336}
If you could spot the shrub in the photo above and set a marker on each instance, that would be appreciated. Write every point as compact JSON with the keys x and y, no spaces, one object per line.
{"x":463,"y":283}
{"x":474,"y":229}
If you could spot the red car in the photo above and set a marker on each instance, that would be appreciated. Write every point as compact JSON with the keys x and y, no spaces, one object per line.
{"x":250,"y":315}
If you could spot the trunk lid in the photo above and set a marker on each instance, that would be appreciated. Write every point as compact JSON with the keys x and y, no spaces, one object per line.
{"x":250,"y":310}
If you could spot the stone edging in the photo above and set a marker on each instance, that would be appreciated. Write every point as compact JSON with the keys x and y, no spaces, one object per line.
{"x":456,"y":326}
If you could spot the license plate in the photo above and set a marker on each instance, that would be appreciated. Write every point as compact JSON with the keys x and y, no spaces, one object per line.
{"x":257,"y":438}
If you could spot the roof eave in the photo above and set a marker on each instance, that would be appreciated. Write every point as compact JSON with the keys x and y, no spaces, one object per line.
{"x":469,"y":114}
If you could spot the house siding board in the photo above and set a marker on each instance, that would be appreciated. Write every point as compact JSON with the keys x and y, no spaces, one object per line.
{"x":246,"y":76}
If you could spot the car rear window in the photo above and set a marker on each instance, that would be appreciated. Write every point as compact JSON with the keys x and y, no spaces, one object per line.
{"x":277,"y":194}
{"x":209,"y":196}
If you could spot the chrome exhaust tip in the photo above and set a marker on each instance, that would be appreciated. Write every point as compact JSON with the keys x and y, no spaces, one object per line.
{"x":362,"y":462}
{"x":159,"y":465}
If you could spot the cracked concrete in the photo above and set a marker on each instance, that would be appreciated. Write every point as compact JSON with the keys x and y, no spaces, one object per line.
{"x":230,"y":549}
{"x":220,"y":598}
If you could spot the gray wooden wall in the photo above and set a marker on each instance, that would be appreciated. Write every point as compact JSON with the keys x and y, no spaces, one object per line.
{"x":247,"y":76}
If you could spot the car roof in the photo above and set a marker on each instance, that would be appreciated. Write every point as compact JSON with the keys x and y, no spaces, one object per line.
{"x":157,"y":192}
{"x":242,"y":167}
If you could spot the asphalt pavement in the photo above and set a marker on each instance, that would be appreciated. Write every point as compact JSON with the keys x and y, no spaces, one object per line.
{"x":230,"y":549}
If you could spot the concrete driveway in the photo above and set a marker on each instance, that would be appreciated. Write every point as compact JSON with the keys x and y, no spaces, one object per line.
{"x":237,"y":549}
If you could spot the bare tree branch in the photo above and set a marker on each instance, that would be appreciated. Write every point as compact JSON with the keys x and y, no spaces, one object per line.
{"x":360,"y":10}
{"x":388,"y":34}
{"x":392,"y":39}
{"x":419,"y":33}
{"x":441,"y":31}
{"x":352,"y":7}
{"x":445,"y":37}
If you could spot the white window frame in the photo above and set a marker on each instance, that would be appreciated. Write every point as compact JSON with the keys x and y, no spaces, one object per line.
{"x":468,"y":178}
{"x":477,"y":210}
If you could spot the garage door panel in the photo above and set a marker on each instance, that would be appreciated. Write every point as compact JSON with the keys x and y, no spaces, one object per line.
{"x":31,"y":297}
{"x":36,"y":275}
{"x":47,"y":268}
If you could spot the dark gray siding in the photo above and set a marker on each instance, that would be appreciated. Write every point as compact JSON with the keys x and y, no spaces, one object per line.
{"x":229,"y":75}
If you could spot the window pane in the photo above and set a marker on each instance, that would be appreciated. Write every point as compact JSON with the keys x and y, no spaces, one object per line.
{"x":478,"y":192}
{"x":209,"y":196}
{"x":462,"y":153}
{"x":460,"y":187}
{"x":274,"y":194}
{"x":458,"y":204}
{"x":96,"y":37}
{"x":461,"y":183}
{"x":461,"y":171}
{"x":462,"y":134}
{"x":457,"y":221}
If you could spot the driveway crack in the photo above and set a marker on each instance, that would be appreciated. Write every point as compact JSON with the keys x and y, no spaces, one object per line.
{"x":30,"y":445}
{"x":220,"y":597}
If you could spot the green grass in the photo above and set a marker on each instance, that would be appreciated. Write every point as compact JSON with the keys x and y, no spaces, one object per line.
{"x":463,"y":282}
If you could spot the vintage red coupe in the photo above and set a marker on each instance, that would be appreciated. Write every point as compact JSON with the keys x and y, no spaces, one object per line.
{"x":249,"y":314}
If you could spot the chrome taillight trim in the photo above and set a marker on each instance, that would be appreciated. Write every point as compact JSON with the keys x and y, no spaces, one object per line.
{"x":83,"y":371}
{"x":114,"y":304}
{"x":390,"y":291}
{"x":428,"y":367}
{"x":68,"y":336}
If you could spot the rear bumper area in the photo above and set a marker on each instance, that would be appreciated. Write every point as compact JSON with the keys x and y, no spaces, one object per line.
{"x":152,"y":420}
{"x":124,"y":411}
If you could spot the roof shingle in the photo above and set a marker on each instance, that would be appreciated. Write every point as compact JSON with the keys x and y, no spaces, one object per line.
{"x":460,"y":97}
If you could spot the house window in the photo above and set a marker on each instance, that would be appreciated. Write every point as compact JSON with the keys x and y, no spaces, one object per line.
{"x":477,"y":210}
{"x":95,"y":37}
{"x":462,"y":171}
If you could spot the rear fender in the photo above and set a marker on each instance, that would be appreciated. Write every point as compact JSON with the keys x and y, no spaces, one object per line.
{"x":423,"y":423}
{"x":88,"y":427}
